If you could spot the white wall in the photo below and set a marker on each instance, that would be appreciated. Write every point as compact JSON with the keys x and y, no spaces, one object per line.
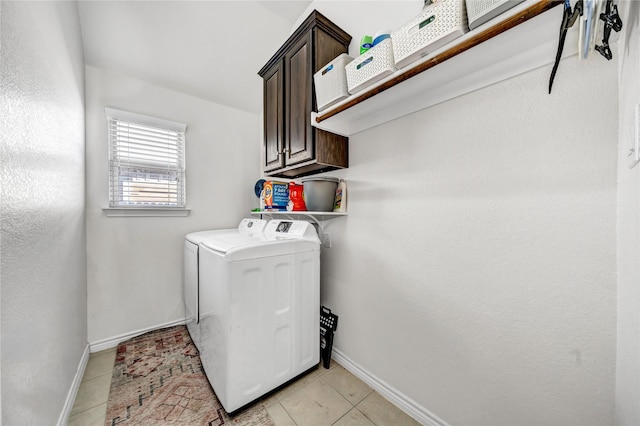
{"x":44,"y":320}
{"x":135,"y":264}
{"x":476,"y":271}
{"x":628,"y":342}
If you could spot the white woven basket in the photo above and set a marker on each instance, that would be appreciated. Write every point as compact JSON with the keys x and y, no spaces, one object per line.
{"x":481,"y":11}
{"x":331,"y":82}
{"x":375,"y":64}
{"x":438,"y":24}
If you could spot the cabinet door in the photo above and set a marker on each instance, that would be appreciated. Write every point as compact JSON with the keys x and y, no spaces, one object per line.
{"x":299,"y":141}
{"x":273,"y":119}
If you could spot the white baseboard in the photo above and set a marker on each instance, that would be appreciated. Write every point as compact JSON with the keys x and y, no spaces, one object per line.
{"x":73,"y":391}
{"x":112,"y":342}
{"x":400,"y":400}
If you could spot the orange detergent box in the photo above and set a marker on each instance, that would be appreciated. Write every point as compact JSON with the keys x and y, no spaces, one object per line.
{"x":276,"y":195}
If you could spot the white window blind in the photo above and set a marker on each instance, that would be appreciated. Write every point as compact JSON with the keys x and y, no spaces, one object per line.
{"x":146,"y":161}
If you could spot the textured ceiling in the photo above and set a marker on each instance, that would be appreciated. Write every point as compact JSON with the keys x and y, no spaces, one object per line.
{"x":210,"y":49}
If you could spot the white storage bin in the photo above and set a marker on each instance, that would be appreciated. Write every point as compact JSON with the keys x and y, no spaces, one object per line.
{"x":438,"y":24}
{"x":373,"y":65}
{"x":481,"y":11}
{"x":331,"y":82}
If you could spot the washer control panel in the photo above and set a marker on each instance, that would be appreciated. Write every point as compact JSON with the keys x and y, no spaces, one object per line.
{"x":290,"y":229}
{"x":251,"y":226}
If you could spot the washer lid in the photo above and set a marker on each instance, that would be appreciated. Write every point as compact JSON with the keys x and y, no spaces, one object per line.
{"x":247,"y":226}
{"x":225,"y":242}
{"x":237,"y":248}
{"x":280,"y":237}
{"x":198,"y":237}
{"x":264,"y":249}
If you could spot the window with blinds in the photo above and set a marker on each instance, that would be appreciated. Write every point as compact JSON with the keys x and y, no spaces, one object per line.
{"x":146,"y":161}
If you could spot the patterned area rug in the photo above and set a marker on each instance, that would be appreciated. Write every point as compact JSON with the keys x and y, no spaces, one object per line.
{"x":158,"y":380}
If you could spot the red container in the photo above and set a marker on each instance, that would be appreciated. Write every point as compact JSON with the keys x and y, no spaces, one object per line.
{"x":295,"y":196}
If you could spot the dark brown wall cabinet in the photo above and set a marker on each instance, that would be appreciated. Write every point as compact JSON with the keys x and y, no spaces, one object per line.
{"x":293,"y":147}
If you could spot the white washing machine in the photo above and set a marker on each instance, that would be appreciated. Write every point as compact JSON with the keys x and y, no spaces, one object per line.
{"x":259,"y":309}
{"x":190,"y":271}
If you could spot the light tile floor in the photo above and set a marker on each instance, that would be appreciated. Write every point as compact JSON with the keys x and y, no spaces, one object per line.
{"x":321,"y":397}
{"x":90,"y":406}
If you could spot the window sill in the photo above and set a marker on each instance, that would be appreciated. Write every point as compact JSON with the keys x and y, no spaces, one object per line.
{"x":146,"y":212}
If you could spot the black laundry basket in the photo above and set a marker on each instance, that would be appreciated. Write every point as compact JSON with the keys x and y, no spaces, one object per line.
{"x":328,"y":325}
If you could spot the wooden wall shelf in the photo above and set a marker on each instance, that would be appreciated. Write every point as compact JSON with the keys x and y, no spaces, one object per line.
{"x":519,"y":40}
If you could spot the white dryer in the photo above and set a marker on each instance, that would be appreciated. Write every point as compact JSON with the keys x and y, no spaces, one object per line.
{"x":259,"y":309}
{"x":190,"y":268}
